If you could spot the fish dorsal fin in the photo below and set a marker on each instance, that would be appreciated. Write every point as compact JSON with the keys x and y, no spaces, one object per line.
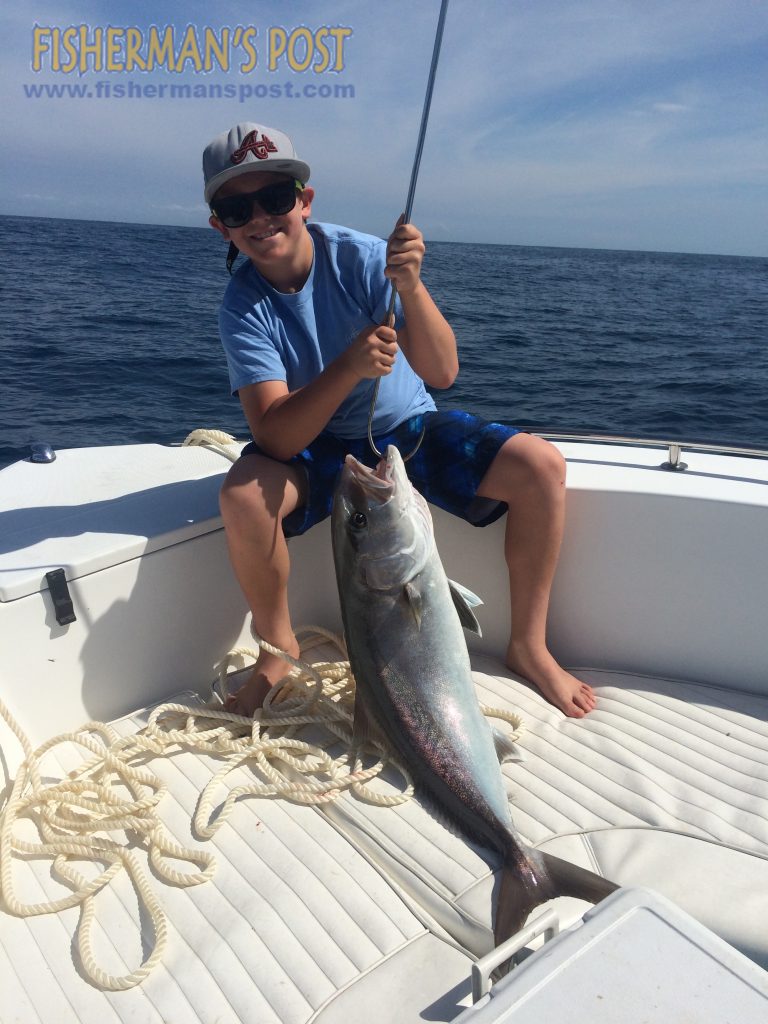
{"x":413,"y":598}
{"x":464,"y":601}
{"x":506,"y":748}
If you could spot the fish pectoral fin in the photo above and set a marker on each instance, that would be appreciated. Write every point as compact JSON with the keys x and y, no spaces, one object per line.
{"x":413,"y":599}
{"x":464,"y":601}
{"x":466,"y":594}
{"x":506,"y":748}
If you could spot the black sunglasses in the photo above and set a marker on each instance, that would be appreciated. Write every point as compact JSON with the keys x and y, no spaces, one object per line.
{"x":276,"y":200}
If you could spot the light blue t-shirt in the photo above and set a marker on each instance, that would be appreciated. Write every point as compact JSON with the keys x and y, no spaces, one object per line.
{"x":271,"y":335}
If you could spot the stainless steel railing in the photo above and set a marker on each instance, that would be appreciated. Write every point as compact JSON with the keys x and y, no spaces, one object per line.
{"x":674,"y":449}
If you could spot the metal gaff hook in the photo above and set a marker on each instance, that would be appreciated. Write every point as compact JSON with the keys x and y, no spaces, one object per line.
{"x":407,"y":213}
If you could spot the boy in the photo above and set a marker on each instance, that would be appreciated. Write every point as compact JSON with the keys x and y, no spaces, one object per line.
{"x":301,"y":324}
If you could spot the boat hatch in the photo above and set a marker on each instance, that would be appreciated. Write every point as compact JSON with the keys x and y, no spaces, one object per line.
{"x":94,"y":508}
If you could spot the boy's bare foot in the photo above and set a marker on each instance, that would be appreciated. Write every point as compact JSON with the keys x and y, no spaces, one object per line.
{"x":268,"y":670}
{"x":572,"y":696}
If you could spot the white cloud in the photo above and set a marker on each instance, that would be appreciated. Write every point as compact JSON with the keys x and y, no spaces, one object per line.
{"x":538,"y":108}
{"x":670,"y":108}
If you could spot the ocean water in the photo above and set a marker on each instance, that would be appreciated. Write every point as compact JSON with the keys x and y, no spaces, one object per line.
{"x":108,"y":336}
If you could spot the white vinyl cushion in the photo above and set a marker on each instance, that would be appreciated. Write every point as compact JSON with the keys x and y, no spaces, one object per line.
{"x":676,"y":756}
{"x":294,"y":927}
{"x":320,"y":914}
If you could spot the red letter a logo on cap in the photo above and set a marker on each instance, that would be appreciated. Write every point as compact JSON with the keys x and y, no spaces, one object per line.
{"x":260,"y":147}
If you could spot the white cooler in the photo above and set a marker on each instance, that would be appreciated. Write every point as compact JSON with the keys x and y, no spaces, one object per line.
{"x":635,"y":959}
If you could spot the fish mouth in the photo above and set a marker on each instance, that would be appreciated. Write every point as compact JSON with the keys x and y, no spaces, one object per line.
{"x":377,"y":485}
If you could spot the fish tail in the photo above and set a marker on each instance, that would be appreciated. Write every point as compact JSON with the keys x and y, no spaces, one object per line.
{"x":541,"y":877}
{"x":570,"y":880}
{"x":515,"y":903}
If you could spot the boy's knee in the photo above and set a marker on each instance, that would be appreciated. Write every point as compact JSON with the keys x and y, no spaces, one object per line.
{"x":230,"y":500}
{"x":240,"y":492}
{"x":541,"y":467}
{"x":552,"y":463}
{"x":257,"y":490}
{"x":543,"y":461}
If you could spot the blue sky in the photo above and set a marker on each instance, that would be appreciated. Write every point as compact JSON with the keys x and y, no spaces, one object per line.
{"x":632,"y":124}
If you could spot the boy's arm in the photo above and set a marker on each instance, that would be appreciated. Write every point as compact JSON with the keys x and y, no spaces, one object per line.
{"x":284,"y":422}
{"x":427,"y":339}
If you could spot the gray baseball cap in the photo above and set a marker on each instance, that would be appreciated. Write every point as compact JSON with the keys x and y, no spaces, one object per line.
{"x":249,"y":147}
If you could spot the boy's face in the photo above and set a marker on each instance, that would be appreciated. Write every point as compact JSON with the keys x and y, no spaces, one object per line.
{"x":267,"y":239}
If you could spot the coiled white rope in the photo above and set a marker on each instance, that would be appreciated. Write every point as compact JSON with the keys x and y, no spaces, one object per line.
{"x":76,"y":816}
{"x":217,"y":440}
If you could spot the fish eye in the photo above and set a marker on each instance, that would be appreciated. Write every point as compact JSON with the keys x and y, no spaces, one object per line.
{"x":358,"y":521}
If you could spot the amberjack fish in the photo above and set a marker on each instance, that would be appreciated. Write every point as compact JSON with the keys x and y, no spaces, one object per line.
{"x":403,"y":624}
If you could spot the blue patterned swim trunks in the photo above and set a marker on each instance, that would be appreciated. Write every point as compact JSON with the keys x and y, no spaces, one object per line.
{"x":457,"y":451}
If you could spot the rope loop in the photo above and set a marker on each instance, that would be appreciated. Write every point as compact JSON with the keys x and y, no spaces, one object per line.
{"x":107,"y":808}
{"x":217,"y":440}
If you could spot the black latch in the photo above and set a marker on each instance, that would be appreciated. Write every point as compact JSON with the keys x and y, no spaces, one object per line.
{"x":62,"y":602}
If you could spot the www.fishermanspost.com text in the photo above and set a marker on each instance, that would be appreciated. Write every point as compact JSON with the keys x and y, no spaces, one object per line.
{"x":242,"y":91}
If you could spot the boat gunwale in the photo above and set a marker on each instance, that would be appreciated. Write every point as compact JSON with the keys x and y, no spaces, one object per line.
{"x":638,"y":442}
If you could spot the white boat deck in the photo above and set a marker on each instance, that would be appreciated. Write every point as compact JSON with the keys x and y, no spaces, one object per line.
{"x":314,"y":913}
{"x":352,"y":911}
{"x":295,"y":926}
